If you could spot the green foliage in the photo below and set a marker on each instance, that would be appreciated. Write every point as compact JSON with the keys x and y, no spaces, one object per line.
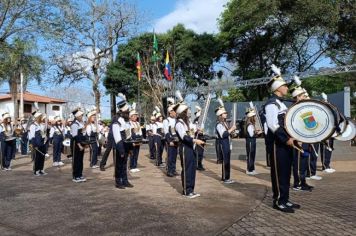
{"x":19,"y":56}
{"x":191,"y":57}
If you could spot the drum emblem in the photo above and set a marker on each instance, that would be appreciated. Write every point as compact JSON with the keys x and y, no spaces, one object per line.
{"x":309,"y":120}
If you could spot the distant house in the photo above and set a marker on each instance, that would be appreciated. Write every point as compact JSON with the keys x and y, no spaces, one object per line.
{"x":51,"y":106}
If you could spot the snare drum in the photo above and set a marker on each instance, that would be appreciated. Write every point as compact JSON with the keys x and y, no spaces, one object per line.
{"x":311,"y":121}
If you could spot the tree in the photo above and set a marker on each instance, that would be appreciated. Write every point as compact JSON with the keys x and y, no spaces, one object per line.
{"x":16,"y":59}
{"x":88,"y":34}
{"x":293,"y":34}
{"x":192,"y":57}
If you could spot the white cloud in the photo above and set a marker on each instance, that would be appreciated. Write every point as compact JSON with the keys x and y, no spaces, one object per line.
{"x":198,"y":15}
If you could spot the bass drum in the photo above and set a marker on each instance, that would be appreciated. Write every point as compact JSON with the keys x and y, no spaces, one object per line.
{"x":310,"y":121}
{"x":349,"y":131}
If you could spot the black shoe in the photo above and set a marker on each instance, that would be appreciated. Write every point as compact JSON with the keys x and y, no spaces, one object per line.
{"x":128,"y":185}
{"x":292,"y":205}
{"x":102,"y":168}
{"x":219,"y":162}
{"x":283,"y":208}
{"x":200,"y":168}
{"x":306,"y":188}
{"x":170,"y":174}
{"x":120,"y":186}
{"x":175,"y":173}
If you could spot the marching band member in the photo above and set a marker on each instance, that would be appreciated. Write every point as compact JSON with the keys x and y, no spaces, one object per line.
{"x":171,"y":140}
{"x":157,"y":131}
{"x":151,"y":144}
{"x":100,"y":134}
{"x":186,"y":137}
{"x":136,"y":135}
{"x":92,"y":136}
{"x":121,"y":132}
{"x":281,"y":159}
{"x":68,"y":135}
{"x":24,"y":136}
{"x":78,"y":145}
{"x":251,"y":134}
{"x":37,"y":140}
{"x":300,"y":160}
{"x":110,"y":144}
{"x":8,"y":142}
{"x":45,"y":126}
{"x":223,"y":138}
{"x":326,"y":149}
{"x":56,"y":136}
{"x":199,"y":134}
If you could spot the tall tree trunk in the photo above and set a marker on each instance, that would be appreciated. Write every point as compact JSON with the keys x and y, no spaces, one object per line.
{"x":14,"y":92}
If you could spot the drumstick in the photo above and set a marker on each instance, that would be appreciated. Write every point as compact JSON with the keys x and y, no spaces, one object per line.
{"x":298,"y":148}
{"x":316,"y":154}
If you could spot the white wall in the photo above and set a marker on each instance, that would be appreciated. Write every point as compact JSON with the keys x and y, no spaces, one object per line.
{"x":8,"y":106}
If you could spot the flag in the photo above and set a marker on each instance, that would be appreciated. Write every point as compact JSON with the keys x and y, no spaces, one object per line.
{"x":167,"y":69}
{"x":155,"y":48}
{"x":138,"y":67}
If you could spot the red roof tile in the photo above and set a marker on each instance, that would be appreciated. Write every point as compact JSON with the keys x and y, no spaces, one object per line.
{"x":31,"y":97}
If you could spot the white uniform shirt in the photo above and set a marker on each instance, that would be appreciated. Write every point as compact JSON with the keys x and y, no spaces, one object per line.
{"x":169,"y":123}
{"x":272,"y":112}
{"x":90,"y":128}
{"x":75,"y":127}
{"x":136,"y":126}
{"x":156,"y":126}
{"x":54,"y":129}
{"x":33,"y":129}
{"x":251,"y":130}
{"x":221,"y":129}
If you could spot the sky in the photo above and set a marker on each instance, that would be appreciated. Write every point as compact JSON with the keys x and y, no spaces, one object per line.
{"x":158,"y":15}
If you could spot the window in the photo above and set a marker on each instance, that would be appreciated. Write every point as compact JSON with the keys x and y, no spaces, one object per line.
{"x":55,"y":108}
{"x":27,"y":108}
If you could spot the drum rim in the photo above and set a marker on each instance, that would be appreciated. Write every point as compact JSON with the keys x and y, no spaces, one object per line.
{"x":303,"y":101}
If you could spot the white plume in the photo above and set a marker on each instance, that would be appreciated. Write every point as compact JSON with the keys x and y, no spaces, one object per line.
{"x":221,"y":102}
{"x":324,"y":96}
{"x":198,"y":108}
{"x":251,"y":105}
{"x":133,"y":106}
{"x":170,"y":100}
{"x":157,"y":109}
{"x":179,"y":96}
{"x":7,"y":109}
{"x":122,"y":96}
{"x":297,"y":80}
{"x":36,"y":105}
{"x":276,"y":70}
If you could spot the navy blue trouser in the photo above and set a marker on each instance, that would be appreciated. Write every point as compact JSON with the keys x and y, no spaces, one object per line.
{"x":109,"y":145}
{"x":200,"y":153}
{"x":269,"y":151}
{"x":134,"y":157}
{"x":225,"y":153}
{"x":121,"y":163}
{"x":326,"y":154}
{"x":313,"y":159}
{"x":57,"y":147}
{"x":188,"y":173}
{"x":172,"y":159}
{"x":251,"y":153}
{"x":152,"y":147}
{"x":281,"y":165}
{"x":77,"y":160}
{"x":24,"y":143}
{"x":217,"y":149}
{"x":300,"y":165}
{"x":158,"y":149}
{"x":94,"y":148}
{"x":8,"y":149}
{"x":39,"y":158}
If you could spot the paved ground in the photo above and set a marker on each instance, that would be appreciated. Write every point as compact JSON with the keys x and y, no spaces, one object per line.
{"x":53,"y":205}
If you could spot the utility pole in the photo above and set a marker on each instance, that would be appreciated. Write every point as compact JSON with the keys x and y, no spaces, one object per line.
{"x":21,"y":115}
